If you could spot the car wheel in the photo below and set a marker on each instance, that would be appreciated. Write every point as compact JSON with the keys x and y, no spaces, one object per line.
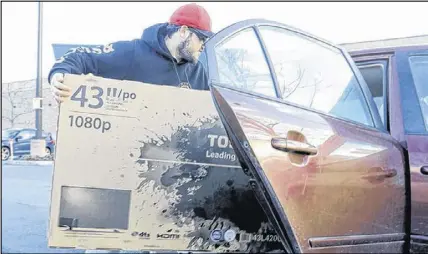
{"x":5,"y":153}
{"x":47,"y":151}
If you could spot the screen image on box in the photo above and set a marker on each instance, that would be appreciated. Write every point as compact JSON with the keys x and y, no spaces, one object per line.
{"x":96,"y":208}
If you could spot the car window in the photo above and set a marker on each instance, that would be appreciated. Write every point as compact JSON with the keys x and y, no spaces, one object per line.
{"x":374,"y":75}
{"x":315,"y":75}
{"x":27,"y":134}
{"x":9,"y":133}
{"x":419,"y":69}
{"x":241,"y":63}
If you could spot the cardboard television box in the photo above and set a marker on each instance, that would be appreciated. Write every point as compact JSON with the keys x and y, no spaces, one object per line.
{"x":149,"y":167}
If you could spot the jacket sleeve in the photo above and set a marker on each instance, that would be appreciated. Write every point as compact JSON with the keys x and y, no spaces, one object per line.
{"x":109,"y":61}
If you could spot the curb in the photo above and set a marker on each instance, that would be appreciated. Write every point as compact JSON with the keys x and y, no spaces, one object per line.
{"x":28,"y":163}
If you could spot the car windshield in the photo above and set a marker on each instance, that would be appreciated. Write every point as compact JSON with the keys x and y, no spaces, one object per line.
{"x":5,"y":134}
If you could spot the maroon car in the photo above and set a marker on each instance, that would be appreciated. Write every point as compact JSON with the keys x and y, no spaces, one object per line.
{"x":338,"y":157}
{"x":396,"y":72}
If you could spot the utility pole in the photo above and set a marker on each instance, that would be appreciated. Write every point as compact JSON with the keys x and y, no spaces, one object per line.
{"x":38,"y":144}
{"x":38,"y":100}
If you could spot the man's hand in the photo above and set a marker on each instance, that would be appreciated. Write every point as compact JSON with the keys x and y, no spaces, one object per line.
{"x":59,"y":90}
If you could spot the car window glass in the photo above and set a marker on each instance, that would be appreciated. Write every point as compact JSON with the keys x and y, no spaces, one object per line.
{"x":8,"y":133}
{"x":419,"y":69}
{"x":27,"y":134}
{"x":241,"y":64}
{"x":315,"y":75}
{"x":373,"y":74}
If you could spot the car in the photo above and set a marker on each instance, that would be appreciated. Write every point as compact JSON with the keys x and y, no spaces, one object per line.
{"x":396,"y":73}
{"x":335,"y":167}
{"x":21,"y":140}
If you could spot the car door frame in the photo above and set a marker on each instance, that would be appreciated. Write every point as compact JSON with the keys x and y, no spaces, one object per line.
{"x":395,"y":125}
{"x":403,"y":55}
{"x":275,"y":214}
{"x":394,"y":118}
{"x":255,"y":24}
{"x":384,"y":63}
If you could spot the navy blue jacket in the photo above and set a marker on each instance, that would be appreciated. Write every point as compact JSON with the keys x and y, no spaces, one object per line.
{"x":145,"y":60}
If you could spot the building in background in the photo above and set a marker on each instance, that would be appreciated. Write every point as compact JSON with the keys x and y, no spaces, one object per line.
{"x":17,"y":99}
{"x":17,"y":105}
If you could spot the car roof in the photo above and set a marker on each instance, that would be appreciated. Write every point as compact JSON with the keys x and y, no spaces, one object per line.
{"x":13,"y":129}
{"x":386,"y":45}
{"x":25,"y":129}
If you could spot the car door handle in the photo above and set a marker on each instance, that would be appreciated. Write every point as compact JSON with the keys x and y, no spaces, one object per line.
{"x":286,"y":145}
{"x":377,"y":174}
{"x":424,"y":170}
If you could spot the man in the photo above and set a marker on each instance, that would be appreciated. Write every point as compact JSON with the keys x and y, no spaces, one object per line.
{"x":166,"y":54}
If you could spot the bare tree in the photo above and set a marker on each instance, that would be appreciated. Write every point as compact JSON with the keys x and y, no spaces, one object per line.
{"x":293,"y":85}
{"x":12,"y":103}
{"x":232,"y":66}
{"x":233,"y":69}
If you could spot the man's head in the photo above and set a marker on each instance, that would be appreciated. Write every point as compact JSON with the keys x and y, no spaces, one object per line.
{"x":191,"y":26}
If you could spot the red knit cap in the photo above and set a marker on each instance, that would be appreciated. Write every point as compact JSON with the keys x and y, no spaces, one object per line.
{"x":192,"y":15}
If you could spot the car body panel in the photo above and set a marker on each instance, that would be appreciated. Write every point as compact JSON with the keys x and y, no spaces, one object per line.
{"x":346,"y":189}
{"x":377,"y":247}
{"x":406,"y":126}
{"x":418,"y":157}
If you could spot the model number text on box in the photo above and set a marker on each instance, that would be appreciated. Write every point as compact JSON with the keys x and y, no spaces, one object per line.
{"x":93,"y":96}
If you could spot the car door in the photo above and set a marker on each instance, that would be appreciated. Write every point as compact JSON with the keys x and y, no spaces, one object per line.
{"x":302,"y":122}
{"x":23,"y":141}
{"x":412,"y":66}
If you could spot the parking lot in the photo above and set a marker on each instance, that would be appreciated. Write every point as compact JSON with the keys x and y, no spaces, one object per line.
{"x":25,"y":209}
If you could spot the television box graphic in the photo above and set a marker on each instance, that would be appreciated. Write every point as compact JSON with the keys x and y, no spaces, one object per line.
{"x":149,"y":167}
{"x":80,"y":208}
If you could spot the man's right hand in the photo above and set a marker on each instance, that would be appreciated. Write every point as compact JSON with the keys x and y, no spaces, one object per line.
{"x":59,"y":90}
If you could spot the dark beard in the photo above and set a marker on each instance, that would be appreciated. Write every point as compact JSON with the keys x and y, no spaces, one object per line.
{"x":184,"y":51}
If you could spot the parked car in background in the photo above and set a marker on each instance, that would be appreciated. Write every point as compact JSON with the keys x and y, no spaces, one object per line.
{"x":21,"y":140}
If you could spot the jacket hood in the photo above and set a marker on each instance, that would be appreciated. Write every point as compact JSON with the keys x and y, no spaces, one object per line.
{"x":154,"y":36}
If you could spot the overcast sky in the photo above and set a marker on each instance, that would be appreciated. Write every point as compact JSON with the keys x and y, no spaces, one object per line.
{"x":104,"y":22}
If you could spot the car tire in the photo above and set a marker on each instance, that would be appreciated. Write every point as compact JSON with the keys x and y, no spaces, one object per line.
{"x":5,"y":153}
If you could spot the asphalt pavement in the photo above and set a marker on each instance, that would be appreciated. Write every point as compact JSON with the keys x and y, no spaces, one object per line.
{"x":26,"y":191}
